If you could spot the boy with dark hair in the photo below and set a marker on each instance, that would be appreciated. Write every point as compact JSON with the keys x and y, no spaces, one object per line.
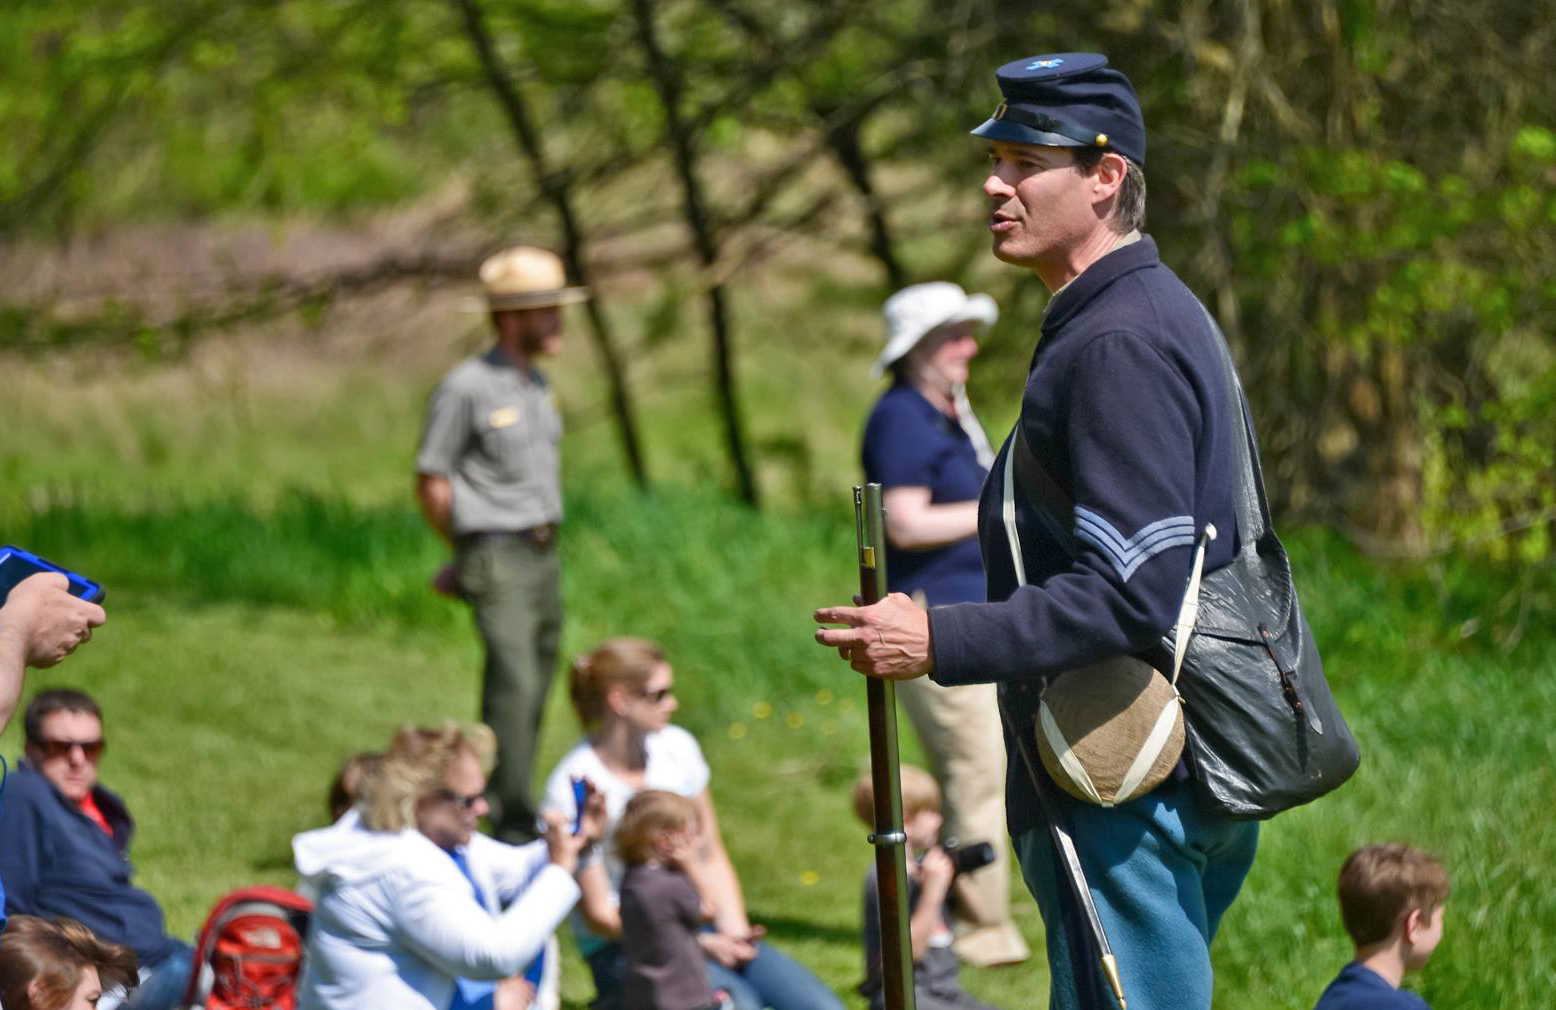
{"x":1391,"y":899}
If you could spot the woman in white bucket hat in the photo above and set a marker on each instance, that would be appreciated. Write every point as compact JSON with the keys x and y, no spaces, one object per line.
{"x":927,"y":450}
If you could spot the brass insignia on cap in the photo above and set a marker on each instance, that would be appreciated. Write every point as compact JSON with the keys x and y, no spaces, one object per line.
{"x":999,"y":113}
{"x":1102,"y":140}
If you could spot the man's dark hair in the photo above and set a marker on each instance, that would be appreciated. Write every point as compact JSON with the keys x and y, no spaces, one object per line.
{"x":62,"y":699}
{"x":1129,"y":204}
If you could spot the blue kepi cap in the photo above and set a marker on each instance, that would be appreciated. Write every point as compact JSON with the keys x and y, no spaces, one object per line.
{"x":1067,"y":100}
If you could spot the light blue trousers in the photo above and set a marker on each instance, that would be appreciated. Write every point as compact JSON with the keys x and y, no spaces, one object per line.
{"x":1162,"y":870}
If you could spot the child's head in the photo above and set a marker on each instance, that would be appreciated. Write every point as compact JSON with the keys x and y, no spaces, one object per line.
{"x":651,"y":823}
{"x":348,"y":781}
{"x":1390,"y":892}
{"x":921,"y":818}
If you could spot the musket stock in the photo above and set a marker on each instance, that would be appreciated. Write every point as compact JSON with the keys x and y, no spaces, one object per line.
{"x":891,"y":868}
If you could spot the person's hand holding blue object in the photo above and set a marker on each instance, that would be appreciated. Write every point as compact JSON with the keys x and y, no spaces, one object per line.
{"x":43,"y":623}
{"x":40,"y":624}
{"x":568,"y":840}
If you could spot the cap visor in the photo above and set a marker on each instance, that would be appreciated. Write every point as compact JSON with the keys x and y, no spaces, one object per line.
{"x":1015,"y":133}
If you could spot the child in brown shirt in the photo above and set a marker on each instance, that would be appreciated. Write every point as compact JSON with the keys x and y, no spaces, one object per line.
{"x":662,"y":908}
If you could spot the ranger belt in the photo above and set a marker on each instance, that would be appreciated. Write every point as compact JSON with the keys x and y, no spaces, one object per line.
{"x":544,"y":535}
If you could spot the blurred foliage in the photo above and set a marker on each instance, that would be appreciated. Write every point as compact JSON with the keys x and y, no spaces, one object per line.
{"x":253,"y":645}
{"x":1361,"y":190}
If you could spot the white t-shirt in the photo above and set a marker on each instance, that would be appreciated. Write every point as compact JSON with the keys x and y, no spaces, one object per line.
{"x":674,"y":763}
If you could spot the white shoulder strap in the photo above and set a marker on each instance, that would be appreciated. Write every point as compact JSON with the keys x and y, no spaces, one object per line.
{"x":1188,"y":611}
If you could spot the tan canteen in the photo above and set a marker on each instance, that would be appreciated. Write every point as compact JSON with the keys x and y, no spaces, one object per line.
{"x":1110,"y":732}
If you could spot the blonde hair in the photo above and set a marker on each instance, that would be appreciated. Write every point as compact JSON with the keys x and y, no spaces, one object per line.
{"x":615,"y":662}
{"x":650,"y":815}
{"x":47,"y":957}
{"x":1380,"y":884}
{"x":919,"y":792}
{"x":414,"y":767}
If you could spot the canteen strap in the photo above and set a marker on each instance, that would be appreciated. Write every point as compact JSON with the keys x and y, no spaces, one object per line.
{"x":1067,"y":759}
{"x":1188,"y":611}
{"x":1144,"y":761}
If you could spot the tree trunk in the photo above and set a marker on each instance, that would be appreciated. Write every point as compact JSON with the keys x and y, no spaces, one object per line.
{"x":1392,"y":479}
{"x":667,"y":83}
{"x":844,"y":141}
{"x":554,"y":187}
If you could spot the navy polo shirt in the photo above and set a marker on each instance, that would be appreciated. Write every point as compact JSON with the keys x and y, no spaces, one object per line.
{"x":1358,"y":987}
{"x":1126,"y":407}
{"x":910,"y":443}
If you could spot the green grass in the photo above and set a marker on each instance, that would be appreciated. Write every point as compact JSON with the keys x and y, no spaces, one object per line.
{"x":269,"y":617}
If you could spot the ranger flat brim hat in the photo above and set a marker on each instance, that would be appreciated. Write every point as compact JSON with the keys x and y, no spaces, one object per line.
{"x":1067,"y":100}
{"x":526,"y":277}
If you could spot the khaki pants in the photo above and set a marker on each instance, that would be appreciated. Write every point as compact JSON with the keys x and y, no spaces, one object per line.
{"x":515,"y":588}
{"x":959,"y":728}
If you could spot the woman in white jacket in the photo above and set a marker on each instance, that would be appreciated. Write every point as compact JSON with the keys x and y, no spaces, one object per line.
{"x":409,"y":898}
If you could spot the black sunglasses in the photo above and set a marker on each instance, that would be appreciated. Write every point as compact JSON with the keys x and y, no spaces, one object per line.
{"x":655,"y":697}
{"x":91,"y":749}
{"x":462,"y":802}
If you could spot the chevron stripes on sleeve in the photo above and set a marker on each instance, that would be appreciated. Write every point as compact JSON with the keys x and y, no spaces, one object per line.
{"x":1126,"y":554}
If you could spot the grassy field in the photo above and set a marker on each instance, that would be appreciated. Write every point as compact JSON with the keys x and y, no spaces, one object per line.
{"x":269,"y":617}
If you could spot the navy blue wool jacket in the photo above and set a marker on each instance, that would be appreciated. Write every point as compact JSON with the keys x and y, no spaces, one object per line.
{"x":1126,"y":407}
{"x":55,"y":861}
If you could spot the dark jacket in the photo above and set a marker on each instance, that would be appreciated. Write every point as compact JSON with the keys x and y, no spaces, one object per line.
{"x":1126,"y":408}
{"x":1358,"y":987}
{"x":55,"y":861}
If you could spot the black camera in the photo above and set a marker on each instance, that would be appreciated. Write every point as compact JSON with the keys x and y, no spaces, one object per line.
{"x":969,"y":857}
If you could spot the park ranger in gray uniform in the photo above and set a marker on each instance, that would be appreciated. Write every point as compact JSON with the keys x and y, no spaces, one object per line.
{"x":489,"y":480}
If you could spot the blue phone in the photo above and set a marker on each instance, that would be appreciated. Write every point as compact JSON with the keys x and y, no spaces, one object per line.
{"x":17,"y":564}
{"x":580,"y":796}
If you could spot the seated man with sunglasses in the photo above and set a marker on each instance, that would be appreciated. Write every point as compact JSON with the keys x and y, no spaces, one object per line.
{"x":64,"y":845}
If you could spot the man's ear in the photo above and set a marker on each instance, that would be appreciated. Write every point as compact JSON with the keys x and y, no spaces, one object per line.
{"x":1109,"y":175}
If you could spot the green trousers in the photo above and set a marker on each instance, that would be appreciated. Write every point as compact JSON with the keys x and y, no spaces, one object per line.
{"x":515,"y":589}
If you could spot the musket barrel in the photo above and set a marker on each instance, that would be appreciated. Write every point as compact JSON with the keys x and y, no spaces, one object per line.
{"x":891,"y":869}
